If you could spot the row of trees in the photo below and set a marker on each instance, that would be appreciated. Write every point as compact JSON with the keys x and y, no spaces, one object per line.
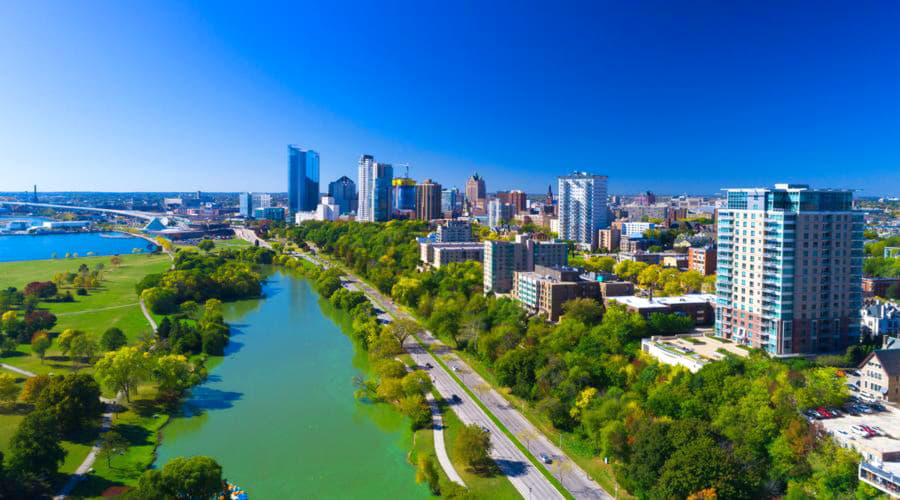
{"x":733,"y":429}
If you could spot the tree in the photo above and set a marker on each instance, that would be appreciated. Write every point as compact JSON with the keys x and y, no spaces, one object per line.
{"x":84,"y":348}
{"x":173,"y":374}
{"x":585,"y":310}
{"x":40,"y":342}
{"x":403,"y":328}
{"x":206,"y":245}
{"x":426,"y":472}
{"x":7,"y":345}
{"x":65,"y":339}
{"x":193,"y":477}
{"x":8,"y":390}
{"x":473,"y":447}
{"x":111,"y":445}
{"x":416,"y":408}
{"x":41,"y":289}
{"x":160,"y":300}
{"x":73,"y":401}
{"x":122,"y":370}
{"x":416,"y":382}
{"x":33,"y":388}
{"x":35,"y":446}
{"x":112,"y":339}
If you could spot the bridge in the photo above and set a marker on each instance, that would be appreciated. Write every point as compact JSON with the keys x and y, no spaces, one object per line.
{"x":127,"y":213}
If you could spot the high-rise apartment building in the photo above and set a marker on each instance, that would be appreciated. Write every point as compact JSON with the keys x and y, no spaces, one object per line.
{"x":450,"y":200}
{"x":499,"y":213}
{"x":476,"y":191}
{"x":343,"y":191}
{"x":428,"y":200}
{"x":454,"y":231}
{"x":404,"y":195}
{"x":789,"y":269}
{"x":582,"y":208}
{"x":374,"y":190}
{"x":262,"y":200}
{"x":503,"y":258}
{"x":303,"y":179}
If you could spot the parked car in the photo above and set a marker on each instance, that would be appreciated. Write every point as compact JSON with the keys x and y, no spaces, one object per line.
{"x":877,"y":407}
{"x":835,"y":412}
{"x":428,"y":366}
{"x":853,"y":387}
{"x":455,"y":399}
{"x":824,"y":412}
{"x":859,"y":430}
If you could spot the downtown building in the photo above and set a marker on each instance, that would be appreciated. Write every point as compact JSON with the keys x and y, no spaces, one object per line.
{"x":374,"y":186}
{"x":582,"y":208}
{"x":303,"y":179}
{"x":428,"y":200}
{"x":476,"y":192}
{"x":343,"y":191}
{"x":249,"y":202}
{"x":789,"y":269}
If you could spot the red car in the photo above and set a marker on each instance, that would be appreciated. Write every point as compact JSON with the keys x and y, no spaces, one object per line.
{"x":824,"y":412}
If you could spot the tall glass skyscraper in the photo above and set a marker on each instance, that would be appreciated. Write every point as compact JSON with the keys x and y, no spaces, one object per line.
{"x":245,"y":200}
{"x":582,"y":208}
{"x":789,"y":271}
{"x":303,"y":179}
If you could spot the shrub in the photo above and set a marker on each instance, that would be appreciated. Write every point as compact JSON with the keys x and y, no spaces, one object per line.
{"x":81,"y":291}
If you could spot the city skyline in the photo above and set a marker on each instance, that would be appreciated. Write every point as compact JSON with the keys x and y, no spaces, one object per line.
{"x":178,"y":98}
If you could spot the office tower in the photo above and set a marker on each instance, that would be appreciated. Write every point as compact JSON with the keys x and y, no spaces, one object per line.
{"x":450,"y":200}
{"x":582,"y":208}
{"x":303,"y":179}
{"x":245,"y":203}
{"x":404,"y":195}
{"x":503,"y":258}
{"x":428,"y":200}
{"x":476,"y":191}
{"x":343,"y":191}
{"x":645,"y":199}
{"x":374,"y":190}
{"x":789,"y":269}
{"x":499,"y":213}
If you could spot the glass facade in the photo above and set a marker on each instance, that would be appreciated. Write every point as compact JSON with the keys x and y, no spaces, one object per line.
{"x":303,"y":179}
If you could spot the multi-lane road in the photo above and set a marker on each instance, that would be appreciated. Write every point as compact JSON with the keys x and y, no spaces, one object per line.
{"x":522,"y":473}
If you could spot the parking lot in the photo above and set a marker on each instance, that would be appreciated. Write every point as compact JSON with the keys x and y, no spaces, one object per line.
{"x":848,"y":430}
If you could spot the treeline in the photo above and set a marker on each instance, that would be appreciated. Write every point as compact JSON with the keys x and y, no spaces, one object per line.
{"x":733,"y":429}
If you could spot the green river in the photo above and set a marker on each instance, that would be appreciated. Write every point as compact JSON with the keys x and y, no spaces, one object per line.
{"x":279,"y":414}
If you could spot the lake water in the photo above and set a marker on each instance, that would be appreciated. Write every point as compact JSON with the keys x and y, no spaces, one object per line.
{"x":27,"y":247}
{"x":279,"y":413}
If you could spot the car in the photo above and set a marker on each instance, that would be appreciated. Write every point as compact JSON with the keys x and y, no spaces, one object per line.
{"x":428,"y":366}
{"x":853,"y":387}
{"x":485,"y":429}
{"x":869,"y":430}
{"x":877,"y":429}
{"x":855,"y":373}
{"x":835,"y":412}
{"x":877,"y":407}
{"x":859,"y":430}
{"x":824,"y":412}
{"x":455,"y":399}
{"x":545,"y":458}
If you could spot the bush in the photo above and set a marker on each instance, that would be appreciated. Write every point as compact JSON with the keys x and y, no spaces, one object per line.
{"x":112,"y":339}
{"x":81,"y":291}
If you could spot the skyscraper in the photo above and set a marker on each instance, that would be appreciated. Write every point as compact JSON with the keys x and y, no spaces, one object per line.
{"x":428,"y":200}
{"x":404,"y":195}
{"x":450,"y":200}
{"x":374,"y":190}
{"x":499,"y":212}
{"x":303,"y":179}
{"x":343,"y":191}
{"x":789,"y":269}
{"x":582,"y":208}
{"x":476,"y":191}
{"x":245,"y":202}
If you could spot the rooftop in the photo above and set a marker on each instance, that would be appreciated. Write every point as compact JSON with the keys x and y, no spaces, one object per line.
{"x":661,"y":302}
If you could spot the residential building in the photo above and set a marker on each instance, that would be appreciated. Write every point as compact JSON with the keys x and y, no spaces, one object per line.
{"x":499,"y":213}
{"x":608,"y":239}
{"x":633,"y":244}
{"x":303,"y":179}
{"x":453,"y":231}
{"x":270,"y":213}
{"x":582,"y":208}
{"x":343,"y":191}
{"x":789,"y":269}
{"x":636,"y":229}
{"x":877,"y":286}
{"x":702,"y":259}
{"x":428,"y":200}
{"x":440,"y":254}
{"x":699,"y":306}
{"x":879,"y":375}
{"x":476,"y":191}
{"x":678,"y":261}
{"x":374,"y":190}
{"x":616,"y":288}
{"x":503,"y":258}
{"x":546,"y":289}
{"x":261,"y":200}
{"x":880,"y":318}
{"x":404,"y":193}
{"x":517,"y":199}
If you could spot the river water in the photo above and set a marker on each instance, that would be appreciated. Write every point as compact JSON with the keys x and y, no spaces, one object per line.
{"x":279,"y":413}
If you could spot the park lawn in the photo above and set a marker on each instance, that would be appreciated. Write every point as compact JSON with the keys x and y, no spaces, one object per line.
{"x":140,"y":425}
{"x":232,"y":243}
{"x":494,"y":487}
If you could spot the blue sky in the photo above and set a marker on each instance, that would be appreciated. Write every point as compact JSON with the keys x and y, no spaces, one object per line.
{"x":668,"y":96}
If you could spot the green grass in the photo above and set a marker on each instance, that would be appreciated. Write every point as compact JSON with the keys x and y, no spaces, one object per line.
{"x":114,"y":303}
{"x":720,"y":339}
{"x":495,"y":487}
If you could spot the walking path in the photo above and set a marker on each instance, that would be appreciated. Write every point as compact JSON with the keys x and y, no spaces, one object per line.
{"x":72,"y":313}
{"x":148,"y":316}
{"x":440,"y":446}
{"x":17,"y":370}
{"x":89,"y":460}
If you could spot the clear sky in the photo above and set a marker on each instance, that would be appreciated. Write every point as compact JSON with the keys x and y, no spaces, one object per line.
{"x":668,"y":96}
